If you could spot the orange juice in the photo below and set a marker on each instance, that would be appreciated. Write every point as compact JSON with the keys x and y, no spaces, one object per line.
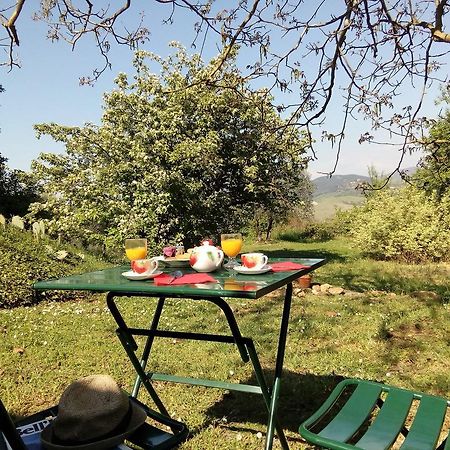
{"x":136,"y":253}
{"x":231,"y":247}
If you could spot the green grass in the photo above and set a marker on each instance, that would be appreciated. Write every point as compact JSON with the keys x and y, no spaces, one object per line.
{"x":383,"y":330}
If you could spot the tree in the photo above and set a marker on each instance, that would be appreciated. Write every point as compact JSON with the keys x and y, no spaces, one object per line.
{"x":287,"y":197}
{"x":433,"y":174}
{"x":16,"y":191}
{"x":175,"y":158}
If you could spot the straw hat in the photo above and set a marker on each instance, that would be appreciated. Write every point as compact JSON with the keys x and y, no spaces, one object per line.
{"x":93,"y":413}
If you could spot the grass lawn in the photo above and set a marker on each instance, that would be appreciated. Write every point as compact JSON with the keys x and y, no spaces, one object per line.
{"x":392,"y":325}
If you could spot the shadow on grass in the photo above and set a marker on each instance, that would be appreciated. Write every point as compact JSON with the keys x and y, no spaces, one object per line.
{"x":300,"y":396}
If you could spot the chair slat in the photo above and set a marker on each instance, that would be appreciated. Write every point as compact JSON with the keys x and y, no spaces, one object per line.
{"x":389,"y":421}
{"x":353,"y":414}
{"x":427,"y":424}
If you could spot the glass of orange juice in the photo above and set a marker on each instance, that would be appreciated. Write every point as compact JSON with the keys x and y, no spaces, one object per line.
{"x":231,"y":244}
{"x":136,"y":248}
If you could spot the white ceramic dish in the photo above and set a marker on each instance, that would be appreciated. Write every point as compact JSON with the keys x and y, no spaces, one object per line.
{"x":173,"y":262}
{"x":130,"y":275}
{"x":245,"y":271}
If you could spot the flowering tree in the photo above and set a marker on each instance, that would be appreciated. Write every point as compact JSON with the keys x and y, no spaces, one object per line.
{"x":174,"y":159}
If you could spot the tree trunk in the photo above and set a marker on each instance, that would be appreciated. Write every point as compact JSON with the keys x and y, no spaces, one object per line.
{"x":269,"y":229}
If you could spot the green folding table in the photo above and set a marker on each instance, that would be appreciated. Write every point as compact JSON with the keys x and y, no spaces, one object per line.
{"x":228,"y":286}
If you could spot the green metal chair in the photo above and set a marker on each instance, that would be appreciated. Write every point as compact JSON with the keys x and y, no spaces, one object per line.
{"x":372,"y":416}
{"x":149,"y":436}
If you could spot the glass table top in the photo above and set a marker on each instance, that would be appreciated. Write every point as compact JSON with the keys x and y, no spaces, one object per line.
{"x":227,"y":283}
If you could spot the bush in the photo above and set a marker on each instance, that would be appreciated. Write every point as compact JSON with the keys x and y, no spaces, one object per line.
{"x":404,"y":224}
{"x":23,"y":261}
{"x":312,"y":231}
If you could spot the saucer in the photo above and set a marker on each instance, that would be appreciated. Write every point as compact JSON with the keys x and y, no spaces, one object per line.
{"x":245,"y":271}
{"x":130,"y":275}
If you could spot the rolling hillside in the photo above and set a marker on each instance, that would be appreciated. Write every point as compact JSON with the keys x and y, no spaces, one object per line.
{"x":337,"y":192}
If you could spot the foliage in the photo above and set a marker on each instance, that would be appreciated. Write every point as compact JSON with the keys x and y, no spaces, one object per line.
{"x":404,"y":224}
{"x":175,"y":159}
{"x":292,"y":201}
{"x":17,"y":191}
{"x":309,"y":232}
{"x":433,"y":174}
{"x":23,"y":260}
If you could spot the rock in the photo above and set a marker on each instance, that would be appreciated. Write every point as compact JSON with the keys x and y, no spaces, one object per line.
{"x":336,"y":290}
{"x":61,"y":254}
{"x":300,"y":292}
{"x":324,"y":287}
{"x":17,"y":222}
{"x":38,"y":229}
{"x":426,"y":295}
{"x":353,"y":294}
{"x":316,"y":290}
{"x":376,"y":293}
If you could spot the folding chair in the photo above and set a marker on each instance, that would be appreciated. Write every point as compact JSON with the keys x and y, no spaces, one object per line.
{"x":148,"y":436}
{"x":372,"y":416}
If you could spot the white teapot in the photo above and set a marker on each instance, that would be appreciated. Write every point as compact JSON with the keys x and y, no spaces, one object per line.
{"x":206,"y":257}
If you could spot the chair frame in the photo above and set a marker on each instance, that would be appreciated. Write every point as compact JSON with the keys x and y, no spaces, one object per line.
{"x":350,"y":420}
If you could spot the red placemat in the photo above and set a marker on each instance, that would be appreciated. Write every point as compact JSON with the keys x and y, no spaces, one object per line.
{"x":190,"y":278}
{"x":284,"y":266}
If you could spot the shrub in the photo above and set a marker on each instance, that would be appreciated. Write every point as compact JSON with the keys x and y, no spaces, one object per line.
{"x":23,"y":261}
{"x":312,"y":231}
{"x":404,"y":224}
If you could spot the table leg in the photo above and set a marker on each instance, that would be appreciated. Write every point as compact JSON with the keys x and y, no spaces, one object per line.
{"x":279,"y":369}
{"x":148,"y":345}
{"x":266,"y":392}
{"x":130,"y":346}
{"x":234,"y":328}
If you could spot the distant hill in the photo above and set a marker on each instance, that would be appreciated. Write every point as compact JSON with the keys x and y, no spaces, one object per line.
{"x":339,"y":192}
{"x":337,"y":183}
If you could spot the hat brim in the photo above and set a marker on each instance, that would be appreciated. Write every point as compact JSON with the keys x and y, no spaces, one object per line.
{"x":138,"y":416}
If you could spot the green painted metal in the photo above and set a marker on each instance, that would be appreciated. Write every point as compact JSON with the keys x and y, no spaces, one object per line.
{"x":353,"y":413}
{"x":273,"y":413}
{"x":140,"y":371}
{"x":389,"y":421}
{"x":427,"y":424}
{"x":228,"y":284}
{"x":265,"y":391}
{"x":252,"y":389}
{"x":148,"y":344}
{"x":423,"y":434}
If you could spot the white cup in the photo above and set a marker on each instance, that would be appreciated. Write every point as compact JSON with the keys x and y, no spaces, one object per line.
{"x":146,"y":266}
{"x":254,"y":261}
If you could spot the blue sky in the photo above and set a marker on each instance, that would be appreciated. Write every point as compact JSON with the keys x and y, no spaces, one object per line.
{"x":46,"y":89}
